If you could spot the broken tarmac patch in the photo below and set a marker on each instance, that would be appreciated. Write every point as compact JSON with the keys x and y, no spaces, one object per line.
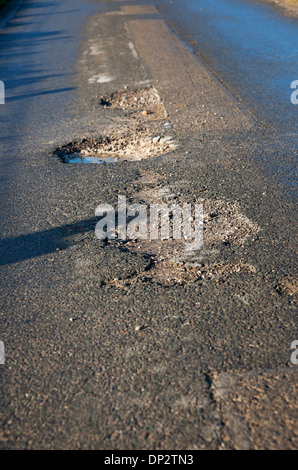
{"x":140,"y":103}
{"x":171,"y":263}
{"x":122,"y":145}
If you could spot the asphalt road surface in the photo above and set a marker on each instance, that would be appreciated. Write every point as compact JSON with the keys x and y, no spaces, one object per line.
{"x":139,"y":344}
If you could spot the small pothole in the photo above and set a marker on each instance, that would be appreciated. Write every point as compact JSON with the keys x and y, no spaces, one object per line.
{"x":116,"y":148}
{"x":144,"y":102}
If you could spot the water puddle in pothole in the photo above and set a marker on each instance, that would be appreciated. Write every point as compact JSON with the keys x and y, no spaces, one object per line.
{"x":76,"y":158}
{"x":91,"y":160}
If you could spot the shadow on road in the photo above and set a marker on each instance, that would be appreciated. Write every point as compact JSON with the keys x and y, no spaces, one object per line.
{"x":36,"y":244}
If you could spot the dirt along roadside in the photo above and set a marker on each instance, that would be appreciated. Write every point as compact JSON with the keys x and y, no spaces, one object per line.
{"x":288,"y":7}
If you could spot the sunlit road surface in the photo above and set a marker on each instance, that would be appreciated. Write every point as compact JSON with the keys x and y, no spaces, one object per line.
{"x":112,"y":345}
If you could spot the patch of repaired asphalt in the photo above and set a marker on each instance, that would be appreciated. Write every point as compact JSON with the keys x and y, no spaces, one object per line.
{"x":189,"y":99}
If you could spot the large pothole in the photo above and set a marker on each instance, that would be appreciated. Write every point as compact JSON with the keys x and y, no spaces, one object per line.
{"x":120,"y":146}
{"x":171,"y":263}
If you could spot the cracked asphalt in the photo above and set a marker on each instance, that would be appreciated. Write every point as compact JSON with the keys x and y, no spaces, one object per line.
{"x":135,"y":345}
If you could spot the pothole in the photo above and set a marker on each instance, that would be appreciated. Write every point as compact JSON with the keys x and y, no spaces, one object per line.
{"x":143,"y":103}
{"x":224,"y":222}
{"x":123,"y":146}
{"x":172,"y":264}
{"x":168,"y":267}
